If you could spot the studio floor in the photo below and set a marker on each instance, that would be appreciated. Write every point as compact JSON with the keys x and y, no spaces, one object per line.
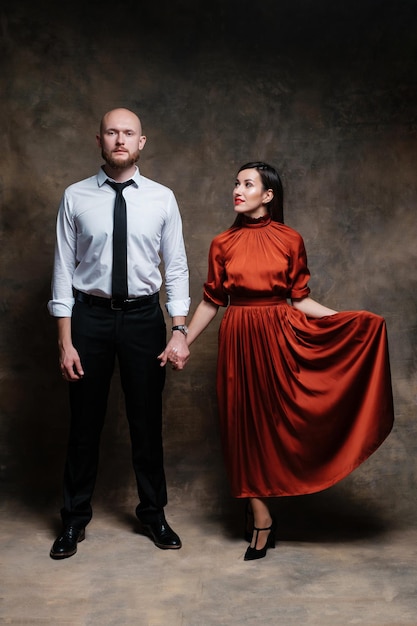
{"x":336,"y":567}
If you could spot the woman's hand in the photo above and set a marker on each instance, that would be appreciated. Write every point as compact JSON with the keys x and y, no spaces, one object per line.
{"x":176,"y":352}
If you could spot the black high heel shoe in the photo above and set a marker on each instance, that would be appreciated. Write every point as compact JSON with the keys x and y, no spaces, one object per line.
{"x":252,"y":553}
{"x":249,"y":522}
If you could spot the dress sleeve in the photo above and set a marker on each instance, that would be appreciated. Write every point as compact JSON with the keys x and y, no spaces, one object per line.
{"x":213,"y":287}
{"x":299,"y":274}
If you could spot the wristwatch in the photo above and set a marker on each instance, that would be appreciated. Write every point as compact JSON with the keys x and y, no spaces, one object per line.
{"x":182,"y":328}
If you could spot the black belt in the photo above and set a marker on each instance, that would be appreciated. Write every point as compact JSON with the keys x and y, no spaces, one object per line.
{"x":114,"y":304}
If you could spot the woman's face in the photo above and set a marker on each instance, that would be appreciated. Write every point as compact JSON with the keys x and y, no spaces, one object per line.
{"x":249,"y":195}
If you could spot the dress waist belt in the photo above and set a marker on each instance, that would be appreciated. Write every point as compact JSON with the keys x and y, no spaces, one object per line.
{"x":267,"y":301}
{"x":115,"y":304}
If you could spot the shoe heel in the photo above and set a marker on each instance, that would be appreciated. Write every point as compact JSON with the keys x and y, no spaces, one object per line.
{"x":271,"y":537}
{"x":248,"y":532}
{"x":272,"y":534}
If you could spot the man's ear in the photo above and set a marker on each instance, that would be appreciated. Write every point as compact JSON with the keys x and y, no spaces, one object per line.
{"x":98,"y":139}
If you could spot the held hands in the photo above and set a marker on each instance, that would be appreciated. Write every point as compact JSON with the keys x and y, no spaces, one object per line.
{"x":176,"y":353}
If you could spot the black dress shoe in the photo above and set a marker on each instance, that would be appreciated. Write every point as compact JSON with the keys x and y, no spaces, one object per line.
{"x":253,"y":553}
{"x":162,"y":534}
{"x":66,"y":544}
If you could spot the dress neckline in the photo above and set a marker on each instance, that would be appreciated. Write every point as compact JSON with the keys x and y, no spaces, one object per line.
{"x":256,"y":222}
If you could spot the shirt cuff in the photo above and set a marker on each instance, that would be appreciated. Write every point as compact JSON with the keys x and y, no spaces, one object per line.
{"x":178,"y":308}
{"x":61,"y":308}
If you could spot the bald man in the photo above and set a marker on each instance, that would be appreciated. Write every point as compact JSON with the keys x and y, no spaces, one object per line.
{"x":98,"y":322}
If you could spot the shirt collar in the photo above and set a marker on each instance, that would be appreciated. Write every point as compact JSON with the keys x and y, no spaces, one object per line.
{"x":102,"y":177}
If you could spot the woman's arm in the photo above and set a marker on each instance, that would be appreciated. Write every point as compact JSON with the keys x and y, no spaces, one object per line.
{"x":204,"y":314}
{"x":173,"y":354}
{"x":312,"y":308}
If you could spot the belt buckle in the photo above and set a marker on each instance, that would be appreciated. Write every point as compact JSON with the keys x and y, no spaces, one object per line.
{"x":116,"y":305}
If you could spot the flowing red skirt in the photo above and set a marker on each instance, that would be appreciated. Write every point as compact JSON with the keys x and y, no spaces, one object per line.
{"x":302,"y":401}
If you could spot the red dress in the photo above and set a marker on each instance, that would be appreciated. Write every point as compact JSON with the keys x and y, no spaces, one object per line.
{"x":302,"y":401}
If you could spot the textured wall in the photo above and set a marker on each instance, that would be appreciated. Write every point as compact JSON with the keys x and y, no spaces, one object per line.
{"x":324,"y":90}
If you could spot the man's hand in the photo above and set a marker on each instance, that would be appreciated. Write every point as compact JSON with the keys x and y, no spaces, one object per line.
{"x":69,"y":360}
{"x":70,"y":364}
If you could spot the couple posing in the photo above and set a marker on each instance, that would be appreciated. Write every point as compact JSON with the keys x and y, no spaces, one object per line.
{"x":286,"y":427}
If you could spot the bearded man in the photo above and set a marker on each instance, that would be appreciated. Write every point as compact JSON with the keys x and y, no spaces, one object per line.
{"x":105,"y":296}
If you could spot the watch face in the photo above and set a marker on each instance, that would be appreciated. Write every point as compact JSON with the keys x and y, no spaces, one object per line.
{"x":182,"y":328}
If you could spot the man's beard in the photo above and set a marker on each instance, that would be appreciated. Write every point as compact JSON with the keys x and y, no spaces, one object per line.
{"x":122,"y":164}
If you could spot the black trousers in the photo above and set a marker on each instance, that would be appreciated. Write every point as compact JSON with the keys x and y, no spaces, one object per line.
{"x":135,"y":337}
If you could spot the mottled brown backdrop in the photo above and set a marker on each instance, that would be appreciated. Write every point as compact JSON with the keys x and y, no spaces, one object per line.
{"x":324,"y":90}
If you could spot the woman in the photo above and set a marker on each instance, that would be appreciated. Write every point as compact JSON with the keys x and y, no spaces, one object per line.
{"x":304,"y":392}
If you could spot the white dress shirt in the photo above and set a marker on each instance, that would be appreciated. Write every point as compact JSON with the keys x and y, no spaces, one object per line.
{"x":83,"y":252}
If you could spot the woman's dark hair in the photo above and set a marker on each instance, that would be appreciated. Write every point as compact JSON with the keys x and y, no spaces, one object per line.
{"x":270,"y":180}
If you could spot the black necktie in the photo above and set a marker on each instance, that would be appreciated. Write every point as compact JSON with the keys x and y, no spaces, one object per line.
{"x":119,"y":273}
